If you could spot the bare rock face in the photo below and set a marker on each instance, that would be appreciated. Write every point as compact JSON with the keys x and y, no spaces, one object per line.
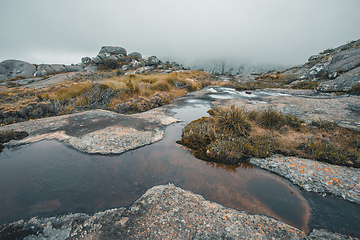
{"x":135,"y":55}
{"x":343,"y":83}
{"x":110,"y":50}
{"x":344,"y":61}
{"x":47,"y":69}
{"x":152,"y":61}
{"x":16,"y":68}
{"x":163,"y":212}
{"x":336,"y":69}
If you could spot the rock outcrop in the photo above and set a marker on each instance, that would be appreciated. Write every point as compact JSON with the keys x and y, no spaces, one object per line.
{"x":163,"y":212}
{"x":15,"y":69}
{"x":337,"y":70}
{"x":108,"y":58}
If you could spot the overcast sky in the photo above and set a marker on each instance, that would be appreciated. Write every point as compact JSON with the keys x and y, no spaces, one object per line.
{"x":283,"y":32}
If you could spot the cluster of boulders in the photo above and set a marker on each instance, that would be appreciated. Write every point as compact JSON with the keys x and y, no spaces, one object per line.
{"x":16,"y":69}
{"x":336,"y":69}
{"x":111,"y":57}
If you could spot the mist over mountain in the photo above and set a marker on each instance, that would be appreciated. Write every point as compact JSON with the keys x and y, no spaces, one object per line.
{"x":254,"y":33}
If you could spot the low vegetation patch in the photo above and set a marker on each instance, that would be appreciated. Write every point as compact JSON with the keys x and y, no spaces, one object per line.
{"x":306,"y":85}
{"x":231,"y":135}
{"x":273,"y":80}
{"x":106,"y":90}
{"x":7,"y":136}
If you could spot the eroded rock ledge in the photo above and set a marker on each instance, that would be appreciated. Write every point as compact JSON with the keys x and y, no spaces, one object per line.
{"x":163,"y":212}
{"x":315,"y":176}
{"x":97,"y":131}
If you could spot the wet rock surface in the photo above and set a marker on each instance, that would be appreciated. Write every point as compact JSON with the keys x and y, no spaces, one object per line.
{"x":163,"y":212}
{"x":96,"y":131}
{"x":159,"y":213}
{"x":306,"y":104}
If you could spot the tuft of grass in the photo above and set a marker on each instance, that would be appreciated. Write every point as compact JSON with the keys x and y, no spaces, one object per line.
{"x":231,"y":135}
{"x":233,"y":120}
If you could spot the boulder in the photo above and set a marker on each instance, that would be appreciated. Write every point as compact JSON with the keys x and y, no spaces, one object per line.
{"x":112,"y":58}
{"x":344,"y":61}
{"x":97,"y":59}
{"x":43,"y":70}
{"x":110,"y":50}
{"x":86,"y":60}
{"x":16,"y":68}
{"x":125,"y":67}
{"x":74,"y":68}
{"x":3,"y":72}
{"x":314,"y":57}
{"x":135,"y":55}
{"x":152,"y":61}
{"x":58,"y":68}
{"x":135,"y":64}
{"x":343,"y":83}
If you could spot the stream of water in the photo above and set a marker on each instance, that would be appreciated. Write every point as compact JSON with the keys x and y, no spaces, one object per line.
{"x":48,"y":178}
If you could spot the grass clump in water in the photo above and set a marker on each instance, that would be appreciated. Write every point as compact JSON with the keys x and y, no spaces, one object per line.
{"x":231,"y":135}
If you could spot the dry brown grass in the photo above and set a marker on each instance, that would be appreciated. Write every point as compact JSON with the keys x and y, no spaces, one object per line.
{"x":107,"y":90}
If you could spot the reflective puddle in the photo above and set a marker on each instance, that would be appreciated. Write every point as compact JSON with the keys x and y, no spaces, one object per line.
{"x":48,"y":178}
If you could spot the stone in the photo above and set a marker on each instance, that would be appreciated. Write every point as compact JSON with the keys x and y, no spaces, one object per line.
{"x":110,"y":50}
{"x":112,"y":58}
{"x":74,"y":68}
{"x":342,"y":83}
{"x":86,"y":60}
{"x":125,"y":67}
{"x":135,"y":64}
{"x":135,"y":55}
{"x":58,"y":68}
{"x":16,"y":68}
{"x":314,"y":57}
{"x":43,"y":70}
{"x":97,"y":59}
{"x":152,"y":61}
